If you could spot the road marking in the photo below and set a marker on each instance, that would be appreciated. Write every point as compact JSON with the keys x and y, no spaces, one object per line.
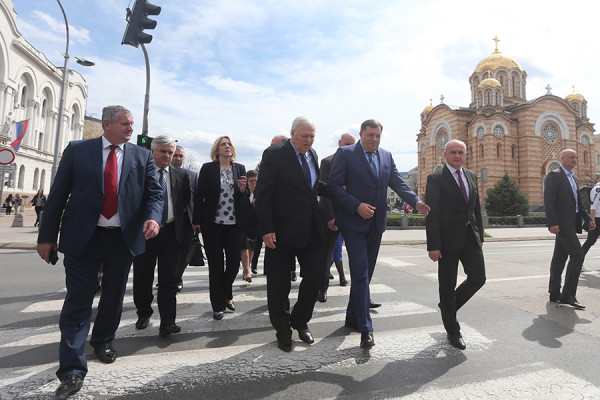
{"x":513,"y":278}
{"x":393,"y":262}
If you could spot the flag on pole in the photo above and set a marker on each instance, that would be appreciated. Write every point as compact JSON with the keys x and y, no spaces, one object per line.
{"x":17,"y":132}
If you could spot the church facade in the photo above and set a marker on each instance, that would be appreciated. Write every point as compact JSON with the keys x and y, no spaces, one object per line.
{"x":506,"y":133}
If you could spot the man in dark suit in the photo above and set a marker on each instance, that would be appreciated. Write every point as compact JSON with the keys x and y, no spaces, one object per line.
{"x":328,"y":215}
{"x":290,"y":225}
{"x":106,"y":202}
{"x":167,"y":246}
{"x":358,"y":182}
{"x":184,"y":255}
{"x":564,"y":212}
{"x":455,"y":233}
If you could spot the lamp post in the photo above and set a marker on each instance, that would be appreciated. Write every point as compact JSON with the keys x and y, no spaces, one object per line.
{"x":81,"y":61}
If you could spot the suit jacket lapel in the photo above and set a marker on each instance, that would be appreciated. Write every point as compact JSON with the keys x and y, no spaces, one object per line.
{"x":295,"y":161}
{"x":97,"y":160}
{"x":454,"y":184}
{"x":175,"y":178}
{"x":127,"y":163}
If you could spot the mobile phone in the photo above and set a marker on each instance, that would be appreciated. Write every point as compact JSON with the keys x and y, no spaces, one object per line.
{"x":53,"y":257}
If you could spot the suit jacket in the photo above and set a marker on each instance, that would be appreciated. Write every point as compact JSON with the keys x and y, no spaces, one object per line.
{"x":325,"y":204}
{"x":75,"y":200}
{"x":284,"y":202}
{"x":193,"y":178}
{"x":450,"y":217}
{"x":208,"y":193}
{"x":180,"y":196}
{"x":351,"y":169}
{"x":560,"y":203}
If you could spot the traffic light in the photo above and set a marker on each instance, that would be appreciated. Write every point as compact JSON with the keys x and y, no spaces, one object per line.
{"x":144,"y":141}
{"x":137,"y":21}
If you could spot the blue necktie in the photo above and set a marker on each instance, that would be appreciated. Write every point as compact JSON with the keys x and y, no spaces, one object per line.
{"x":306,"y":170}
{"x":372,"y":164}
{"x":165,"y":194}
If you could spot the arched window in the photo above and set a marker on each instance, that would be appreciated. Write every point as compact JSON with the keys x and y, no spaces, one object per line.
{"x":498,"y":150}
{"x":21,"y":177}
{"x":43,"y":179}
{"x":40,"y":141}
{"x":24,"y":97}
{"x":36,"y":174}
{"x":513,"y":151}
{"x":44,"y":108}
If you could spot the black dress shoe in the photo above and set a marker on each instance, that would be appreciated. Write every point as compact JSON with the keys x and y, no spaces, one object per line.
{"x":456,"y":340}
{"x":570,"y":300}
{"x":254,"y":270}
{"x":294,"y":277}
{"x":322,"y":297}
{"x":374,"y":305}
{"x":218,"y":316}
{"x":343,"y":282}
{"x":351,"y":323}
{"x":230,"y":306}
{"x":169,"y":330}
{"x":367,"y":340}
{"x":68,"y":387}
{"x":106,"y":353}
{"x":554,"y":297}
{"x":305,"y":336}
{"x":285,"y":344}
{"x":142,"y":323}
{"x":330,"y":276}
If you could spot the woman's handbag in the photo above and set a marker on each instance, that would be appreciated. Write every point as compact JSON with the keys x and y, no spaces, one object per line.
{"x":197,"y":259}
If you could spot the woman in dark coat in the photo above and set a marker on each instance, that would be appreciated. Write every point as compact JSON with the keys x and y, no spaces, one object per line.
{"x":38,"y":201}
{"x":219,"y":213}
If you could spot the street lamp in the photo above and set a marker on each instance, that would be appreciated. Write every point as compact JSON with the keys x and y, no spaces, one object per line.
{"x":80,"y":61}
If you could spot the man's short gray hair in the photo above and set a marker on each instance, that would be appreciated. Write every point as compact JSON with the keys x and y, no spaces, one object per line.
{"x":303,"y":121}
{"x":162,"y":140}
{"x":111,"y":113}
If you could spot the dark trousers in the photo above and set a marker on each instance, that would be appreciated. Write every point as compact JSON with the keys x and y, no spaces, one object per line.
{"x":257,"y":248}
{"x":163,"y":247}
{"x":566,"y":245}
{"x":223,"y":245}
{"x":106,"y":250}
{"x":363,"y":249}
{"x":184,"y":257}
{"x":592,"y":237}
{"x":38,"y":210}
{"x":328,"y":245}
{"x":452,"y":298}
{"x":278,"y":263}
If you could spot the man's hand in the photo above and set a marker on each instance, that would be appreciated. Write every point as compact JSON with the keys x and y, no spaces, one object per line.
{"x":554,"y":229}
{"x":423,"y":208}
{"x":44,"y":250}
{"x":151,"y":229}
{"x":592,"y":224}
{"x":365,"y":210}
{"x":435,"y":255}
{"x":269,"y":240}
{"x":331,"y":225}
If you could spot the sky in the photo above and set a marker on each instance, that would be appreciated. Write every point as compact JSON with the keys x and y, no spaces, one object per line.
{"x":246,"y":69}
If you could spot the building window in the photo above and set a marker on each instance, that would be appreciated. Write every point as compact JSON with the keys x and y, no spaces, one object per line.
{"x":498,"y":131}
{"x":550,"y":133}
{"x":40,"y":141}
{"x":44,"y":108}
{"x":498,"y":150}
{"x":481,"y":154}
{"x":513,"y":151}
{"x":36,"y":175}
{"x":43,"y":179}
{"x":585,"y":157}
{"x":24,"y":97}
{"x":480,"y":132}
{"x":21,"y":177}
{"x":442,"y":139}
{"x":585,"y":140}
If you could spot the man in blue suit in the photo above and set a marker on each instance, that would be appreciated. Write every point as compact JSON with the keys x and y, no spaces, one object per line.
{"x":106,"y":202}
{"x":358,"y":182}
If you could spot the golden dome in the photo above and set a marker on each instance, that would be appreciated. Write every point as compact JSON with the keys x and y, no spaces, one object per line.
{"x":428,"y":109}
{"x":574,"y":96}
{"x":489,"y":83}
{"x":495,"y":61}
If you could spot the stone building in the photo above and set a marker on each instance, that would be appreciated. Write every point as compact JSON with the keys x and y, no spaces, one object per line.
{"x":506,"y":133}
{"x":30,"y":90}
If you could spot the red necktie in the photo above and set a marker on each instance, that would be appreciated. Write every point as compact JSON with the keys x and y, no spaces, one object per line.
{"x":109,"y":208}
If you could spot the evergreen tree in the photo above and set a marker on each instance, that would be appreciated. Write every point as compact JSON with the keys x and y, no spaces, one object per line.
{"x":506,"y":198}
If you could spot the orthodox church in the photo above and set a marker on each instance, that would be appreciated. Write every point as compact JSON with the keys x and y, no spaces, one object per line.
{"x":506,"y":133}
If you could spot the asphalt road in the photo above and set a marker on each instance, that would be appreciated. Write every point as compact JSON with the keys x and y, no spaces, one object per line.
{"x":518,"y":344}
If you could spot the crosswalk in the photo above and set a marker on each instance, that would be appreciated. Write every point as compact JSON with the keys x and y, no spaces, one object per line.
{"x":149,"y":364}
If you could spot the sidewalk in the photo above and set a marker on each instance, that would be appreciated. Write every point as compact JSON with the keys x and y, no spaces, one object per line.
{"x":25,"y":237}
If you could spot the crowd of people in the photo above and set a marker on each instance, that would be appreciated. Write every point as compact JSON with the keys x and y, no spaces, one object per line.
{"x":115,"y":204}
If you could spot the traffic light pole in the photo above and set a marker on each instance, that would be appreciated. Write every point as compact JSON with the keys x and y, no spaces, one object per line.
{"x":147,"y":96}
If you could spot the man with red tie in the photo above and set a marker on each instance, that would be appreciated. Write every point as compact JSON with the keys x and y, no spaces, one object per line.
{"x":455,"y":233}
{"x":106,"y":202}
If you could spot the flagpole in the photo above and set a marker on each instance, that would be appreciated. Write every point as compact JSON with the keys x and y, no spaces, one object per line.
{"x":62,"y":101}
